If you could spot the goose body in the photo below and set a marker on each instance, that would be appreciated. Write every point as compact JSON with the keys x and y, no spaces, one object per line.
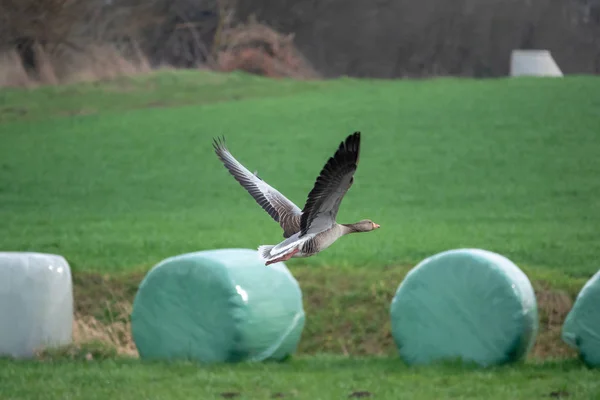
{"x":314,"y":228}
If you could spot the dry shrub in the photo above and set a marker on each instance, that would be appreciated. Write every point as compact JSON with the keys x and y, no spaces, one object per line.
{"x":45,"y":68}
{"x":553,"y":309}
{"x":12,"y":72}
{"x":96,"y":340}
{"x":116,"y":333}
{"x":65,"y":65}
{"x":98,"y":62}
{"x":63,"y":41}
{"x":257,"y":48}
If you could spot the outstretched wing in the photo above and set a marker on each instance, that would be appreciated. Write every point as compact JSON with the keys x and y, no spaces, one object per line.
{"x":333,"y":182}
{"x":282,"y":210}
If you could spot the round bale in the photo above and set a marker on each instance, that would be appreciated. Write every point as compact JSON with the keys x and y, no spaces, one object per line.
{"x":217,"y":306}
{"x":467,"y":304}
{"x":581,"y":329}
{"x":36,"y":303}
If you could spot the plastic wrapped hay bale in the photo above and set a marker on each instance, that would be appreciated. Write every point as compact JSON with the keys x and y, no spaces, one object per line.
{"x":581,"y":329}
{"x":36,"y":303}
{"x":466,"y":304}
{"x":533,"y":63}
{"x":218,"y":306}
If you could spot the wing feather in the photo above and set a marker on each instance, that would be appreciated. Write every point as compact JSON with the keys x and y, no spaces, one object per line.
{"x":333,"y":182}
{"x":279,"y":207}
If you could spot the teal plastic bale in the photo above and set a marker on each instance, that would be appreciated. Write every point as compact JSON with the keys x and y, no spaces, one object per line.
{"x":581,"y":329}
{"x":466,"y":304}
{"x":217,"y":306}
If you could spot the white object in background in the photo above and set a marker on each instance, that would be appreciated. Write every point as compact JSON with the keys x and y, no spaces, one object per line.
{"x":36,"y":303}
{"x":533,"y":63}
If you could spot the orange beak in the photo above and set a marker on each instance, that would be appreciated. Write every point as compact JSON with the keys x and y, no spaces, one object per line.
{"x":375,"y":226}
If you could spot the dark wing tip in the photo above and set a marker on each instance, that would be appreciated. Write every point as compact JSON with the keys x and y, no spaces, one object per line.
{"x":350,"y":147}
{"x":219,"y":143}
{"x":345,"y":157}
{"x":354,"y":140}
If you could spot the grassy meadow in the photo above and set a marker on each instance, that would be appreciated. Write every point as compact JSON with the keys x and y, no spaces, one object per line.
{"x":509,"y":166}
{"x":118,"y":175}
{"x":315,"y":378}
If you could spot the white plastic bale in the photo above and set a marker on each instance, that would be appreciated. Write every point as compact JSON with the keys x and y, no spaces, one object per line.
{"x":36,"y":303}
{"x":533,"y":63}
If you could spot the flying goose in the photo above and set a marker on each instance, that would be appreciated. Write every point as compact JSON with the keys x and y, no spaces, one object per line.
{"x":314,"y":228}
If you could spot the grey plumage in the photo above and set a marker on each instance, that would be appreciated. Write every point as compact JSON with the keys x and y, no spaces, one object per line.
{"x":279,"y":207}
{"x":314,"y":228}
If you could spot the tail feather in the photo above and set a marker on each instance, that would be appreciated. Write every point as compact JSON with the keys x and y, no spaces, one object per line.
{"x":265,"y":251}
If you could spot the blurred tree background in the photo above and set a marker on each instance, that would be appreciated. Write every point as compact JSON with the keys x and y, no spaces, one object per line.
{"x":55,"y":41}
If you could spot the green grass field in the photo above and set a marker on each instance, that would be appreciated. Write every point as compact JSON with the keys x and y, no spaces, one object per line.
{"x":316,"y":378}
{"x":510,"y":166}
{"x":118,"y":175}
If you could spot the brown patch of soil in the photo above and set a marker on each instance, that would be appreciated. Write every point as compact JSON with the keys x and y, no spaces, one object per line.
{"x":116,"y":333}
{"x":103,"y":307}
{"x":553,"y":307}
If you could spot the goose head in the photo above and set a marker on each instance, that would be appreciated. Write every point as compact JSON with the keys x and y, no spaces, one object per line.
{"x":366,"y":225}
